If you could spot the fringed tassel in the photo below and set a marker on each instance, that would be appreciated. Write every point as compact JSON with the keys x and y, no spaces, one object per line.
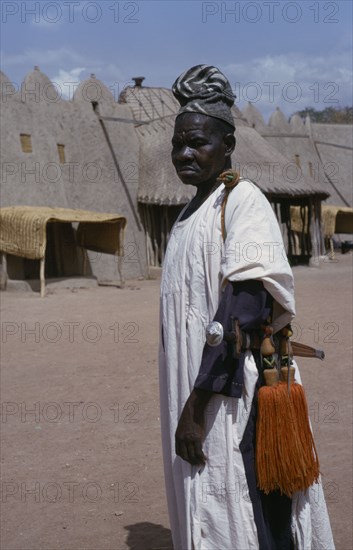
{"x":307,"y":444}
{"x":286,"y":457}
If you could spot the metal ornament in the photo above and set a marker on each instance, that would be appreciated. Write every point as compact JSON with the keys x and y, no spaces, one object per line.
{"x":214,"y":334}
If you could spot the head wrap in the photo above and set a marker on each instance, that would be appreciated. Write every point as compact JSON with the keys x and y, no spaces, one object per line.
{"x":204,"y":89}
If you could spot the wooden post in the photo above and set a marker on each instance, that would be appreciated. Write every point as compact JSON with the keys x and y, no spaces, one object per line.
{"x":163,"y":232}
{"x":320,"y":235}
{"x":3,"y":274}
{"x":312,"y":231}
{"x":120,"y":269}
{"x":42,"y":277}
{"x":148,"y":234}
{"x":84,"y":261}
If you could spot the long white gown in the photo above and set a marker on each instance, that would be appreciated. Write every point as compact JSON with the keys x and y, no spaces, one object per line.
{"x":209,"y":507}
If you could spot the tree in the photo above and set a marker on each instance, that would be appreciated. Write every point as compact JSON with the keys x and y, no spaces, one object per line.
{"x":329,"y":115}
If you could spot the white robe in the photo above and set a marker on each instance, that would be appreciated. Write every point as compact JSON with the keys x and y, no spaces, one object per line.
{"x":209,"y":507}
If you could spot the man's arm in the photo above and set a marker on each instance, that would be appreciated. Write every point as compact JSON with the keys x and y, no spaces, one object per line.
{"x":190,"y":431}
{"x":220,"y":372}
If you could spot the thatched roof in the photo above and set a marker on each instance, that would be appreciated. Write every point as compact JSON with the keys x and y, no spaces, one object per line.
{"x":278,"y":121}
{"x":297,"y":125}
{"x":93,"y":89}
{"x":149,"y":104}
{"x":7,"y":88}
{"x":272,"y":170}
{"x":337,"y":219}
{"x":254,"y":157}
{"x":88,"y":175}
{"x":87,"y":178}
{"x":334,"y":143}
{"x":159,"y":183}
{"x":323,"y":152}
{"x":38,"y":88}
{"x":23,"y":229}
{"x":299,"y":149}
{"x":334,"y":219}
{"x":253,"y":116}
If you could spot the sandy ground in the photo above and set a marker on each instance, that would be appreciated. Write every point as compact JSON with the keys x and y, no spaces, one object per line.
{"x":81,"y":453}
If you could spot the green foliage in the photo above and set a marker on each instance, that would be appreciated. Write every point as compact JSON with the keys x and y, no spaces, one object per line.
{"x":329,"y":115}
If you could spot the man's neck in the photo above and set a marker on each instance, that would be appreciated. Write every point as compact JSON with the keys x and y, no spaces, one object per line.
{"x":202,"y":193}
{"x":205,"y":189}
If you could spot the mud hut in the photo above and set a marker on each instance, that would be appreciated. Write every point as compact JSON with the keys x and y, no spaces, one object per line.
{"x":161,"y":195}
{"x":285,"y":187}
{"x":322,"y":154}
{"x":334,"y":146}
{"x":79,"y":154}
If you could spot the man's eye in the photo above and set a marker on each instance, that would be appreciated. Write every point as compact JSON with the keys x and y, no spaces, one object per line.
{"x":197,"y":143}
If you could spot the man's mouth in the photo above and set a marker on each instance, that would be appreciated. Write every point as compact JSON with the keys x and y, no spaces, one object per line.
{"x":185,"y":169}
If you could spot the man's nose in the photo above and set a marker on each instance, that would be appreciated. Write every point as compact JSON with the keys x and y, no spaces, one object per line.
{"x":184,"y":153}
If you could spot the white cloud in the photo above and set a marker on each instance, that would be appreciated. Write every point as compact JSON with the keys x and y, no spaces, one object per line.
{"x":47,"y":24}
{"x":67,"y":81}
{"x":292,"y":82}
{"x":31,"y":57}
{"x":66,"y":66}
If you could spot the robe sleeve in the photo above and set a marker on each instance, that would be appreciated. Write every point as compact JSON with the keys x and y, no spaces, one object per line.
{"x":251,"y":304}
{"x":254,"y":249}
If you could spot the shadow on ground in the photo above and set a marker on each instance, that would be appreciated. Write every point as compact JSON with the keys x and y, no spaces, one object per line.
{"x":148,"y":536}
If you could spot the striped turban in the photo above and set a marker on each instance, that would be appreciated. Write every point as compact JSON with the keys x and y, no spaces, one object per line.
{"x":204,"y":89}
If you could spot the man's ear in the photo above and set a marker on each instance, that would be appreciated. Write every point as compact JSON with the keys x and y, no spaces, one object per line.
{"x":229,"y":142}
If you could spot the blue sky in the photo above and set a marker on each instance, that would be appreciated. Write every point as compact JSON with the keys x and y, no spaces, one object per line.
{"x":275,"y":53}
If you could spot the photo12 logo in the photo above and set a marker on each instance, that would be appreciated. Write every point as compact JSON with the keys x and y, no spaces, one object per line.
{"x":290,"y":92}
{"x":69,"y":491}
{"x":53,"y":412}
{"x":49,"y":13}
{"x":69,"y":331}
{"x":269,"y":12}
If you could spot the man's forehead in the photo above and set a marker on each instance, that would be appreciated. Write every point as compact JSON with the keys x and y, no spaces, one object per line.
{"x":191,"y":122}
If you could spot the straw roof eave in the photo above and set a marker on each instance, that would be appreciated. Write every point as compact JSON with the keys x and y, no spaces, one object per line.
{"x":23,"y":229}
{"x":291,"y":197}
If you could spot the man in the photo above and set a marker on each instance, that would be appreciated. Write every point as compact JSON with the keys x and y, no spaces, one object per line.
{"x":208,"y":397}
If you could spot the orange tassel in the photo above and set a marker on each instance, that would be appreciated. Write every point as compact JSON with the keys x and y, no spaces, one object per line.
{"x":286,"y":457}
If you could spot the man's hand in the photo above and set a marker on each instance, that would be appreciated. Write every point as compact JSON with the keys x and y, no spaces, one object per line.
{"x":189,"y":435}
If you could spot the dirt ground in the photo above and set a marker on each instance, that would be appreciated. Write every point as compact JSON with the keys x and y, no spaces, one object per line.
{"x":81,"y":452}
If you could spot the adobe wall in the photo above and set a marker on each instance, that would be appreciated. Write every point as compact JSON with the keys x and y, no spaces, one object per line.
{"x":88,"y":178}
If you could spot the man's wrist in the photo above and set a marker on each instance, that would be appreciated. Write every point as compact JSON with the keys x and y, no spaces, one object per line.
{"x":201,"y":397}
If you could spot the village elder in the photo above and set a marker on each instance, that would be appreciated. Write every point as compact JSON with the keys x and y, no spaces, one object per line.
{"x":208,"y":399}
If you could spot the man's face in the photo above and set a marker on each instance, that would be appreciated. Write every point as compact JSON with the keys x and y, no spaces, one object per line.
{"x":199,"y":152}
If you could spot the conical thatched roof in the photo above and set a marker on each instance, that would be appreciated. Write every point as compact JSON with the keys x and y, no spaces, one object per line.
{"x":37,"y":87}
{"x":253,"y":116}
{"x":297,"y":125}
{"x":92,"y":89}
{"x":278,"y":121}
{"x":7,"y":89}
{"x":149,"y":104}
{"x":86,"y":175}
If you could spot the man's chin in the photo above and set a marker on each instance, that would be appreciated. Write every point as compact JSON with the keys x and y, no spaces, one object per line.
{"x":189,"y":177}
